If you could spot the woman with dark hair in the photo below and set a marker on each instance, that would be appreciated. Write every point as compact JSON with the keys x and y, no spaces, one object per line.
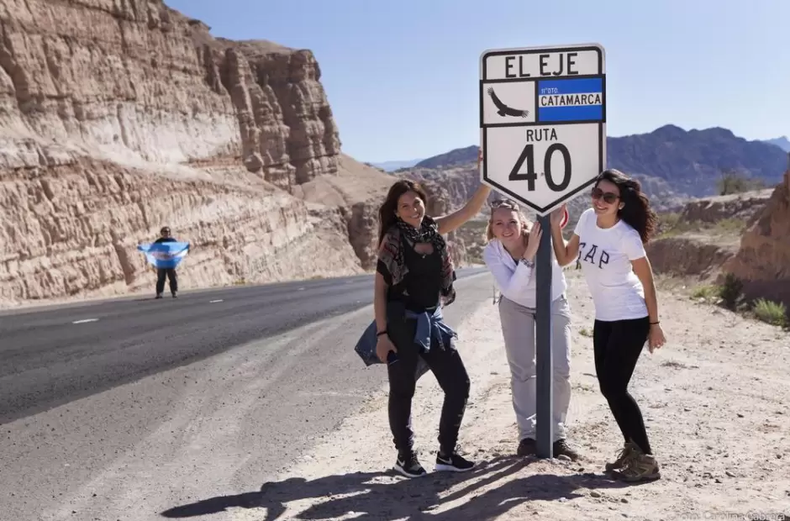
{"x":609,"y":244}
{"x":414,"y":280}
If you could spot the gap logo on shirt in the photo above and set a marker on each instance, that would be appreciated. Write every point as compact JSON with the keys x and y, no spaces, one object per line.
{"x":593,"y":256}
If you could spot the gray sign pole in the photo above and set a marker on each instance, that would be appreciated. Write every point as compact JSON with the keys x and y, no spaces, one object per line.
{"x":543,"y":362}
{"x":543,"y":138}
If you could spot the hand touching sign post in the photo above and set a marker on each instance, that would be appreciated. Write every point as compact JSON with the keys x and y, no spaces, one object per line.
{"x":543,"y":126}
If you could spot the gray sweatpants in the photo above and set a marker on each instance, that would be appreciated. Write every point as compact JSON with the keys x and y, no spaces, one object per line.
{"x":518,"y":328}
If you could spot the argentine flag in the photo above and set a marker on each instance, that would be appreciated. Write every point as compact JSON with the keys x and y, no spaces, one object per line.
{"x":165,"y":254}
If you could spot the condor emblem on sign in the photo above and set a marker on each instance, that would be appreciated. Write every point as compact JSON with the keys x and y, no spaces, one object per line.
{"x":543,"y":122}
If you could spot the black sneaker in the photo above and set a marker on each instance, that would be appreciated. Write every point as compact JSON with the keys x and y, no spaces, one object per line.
{"x":174,"y":295}
{"x":409,"y":466}
{"x":158,"y":295}
{"x":527,"y":447}
{"x":453,"y":463}
{"x":561,"y":447}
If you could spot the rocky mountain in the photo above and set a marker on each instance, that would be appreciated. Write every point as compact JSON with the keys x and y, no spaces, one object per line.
{"x":781,"y":142}
{"x":119,"y":117}
{"x":672,"y":164}
{"x":692,"y":161}
{"x":456,"y":157}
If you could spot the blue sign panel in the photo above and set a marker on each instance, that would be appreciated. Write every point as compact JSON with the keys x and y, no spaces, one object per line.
{"x":570,"y":100}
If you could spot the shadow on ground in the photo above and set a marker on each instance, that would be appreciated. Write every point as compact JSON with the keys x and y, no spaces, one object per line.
{"x":374,"y":496}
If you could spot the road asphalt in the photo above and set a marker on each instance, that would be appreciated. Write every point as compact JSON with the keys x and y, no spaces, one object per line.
{"x":146,"y":404}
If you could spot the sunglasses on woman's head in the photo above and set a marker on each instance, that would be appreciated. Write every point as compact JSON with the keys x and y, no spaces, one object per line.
{"x":504,"y":203}
{"x":608,"y":197}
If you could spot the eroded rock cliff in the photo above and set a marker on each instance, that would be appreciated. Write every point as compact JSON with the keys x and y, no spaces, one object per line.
{"x":120,"y":116}
{"x":117,"y":117}
{"x":73,"y":230}
{"x":704,"y":234}
{"x":137,"y":81}
{"x":763,"y":260}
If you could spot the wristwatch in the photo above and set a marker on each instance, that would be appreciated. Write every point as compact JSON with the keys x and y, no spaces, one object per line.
{"x":527,"y":263}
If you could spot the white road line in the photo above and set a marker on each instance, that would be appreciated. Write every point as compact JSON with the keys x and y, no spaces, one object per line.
{"x":85,"y":321}
{"x":215,"y":301}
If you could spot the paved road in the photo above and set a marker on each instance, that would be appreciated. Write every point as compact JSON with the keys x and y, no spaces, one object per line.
{"x":53,"y":356}
{"x":159,"y":404}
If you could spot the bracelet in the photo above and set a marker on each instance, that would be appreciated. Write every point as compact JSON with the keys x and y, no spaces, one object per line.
{"x":381,"y":333}
{"x":655,"y":323}
{"x":527,"y":263}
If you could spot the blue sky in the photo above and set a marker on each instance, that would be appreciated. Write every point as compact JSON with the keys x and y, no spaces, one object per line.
{"x":402,"y":76}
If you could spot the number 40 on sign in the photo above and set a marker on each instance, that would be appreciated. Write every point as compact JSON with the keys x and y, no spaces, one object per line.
{"x":543,"y":122}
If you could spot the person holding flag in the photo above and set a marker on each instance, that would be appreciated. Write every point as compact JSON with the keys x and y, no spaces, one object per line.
{"x":165,"y":254}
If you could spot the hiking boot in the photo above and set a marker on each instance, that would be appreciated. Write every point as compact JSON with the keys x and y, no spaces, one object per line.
{"x":526,"y":447}
{"x":453,"y":463}
{"x":640,"y":467}
{"x":561,"y":447}
{"x":409,"y":466}
{"x":628,"y":451}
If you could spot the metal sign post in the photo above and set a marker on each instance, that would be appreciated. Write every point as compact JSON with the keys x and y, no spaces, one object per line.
{"x":543,"y":134}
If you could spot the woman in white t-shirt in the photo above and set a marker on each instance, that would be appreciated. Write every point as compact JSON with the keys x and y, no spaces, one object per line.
{"x":510,"y":256}
{"x":608,"y":242}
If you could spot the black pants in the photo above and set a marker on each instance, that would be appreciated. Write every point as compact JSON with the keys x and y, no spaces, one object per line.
{"x":450,"y":373}
{"x":160,"y":279}
{"x":617,"y":349}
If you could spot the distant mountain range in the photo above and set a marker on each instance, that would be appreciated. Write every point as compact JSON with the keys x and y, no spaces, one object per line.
{"x":391,"y":166}
{"x":455,"y":157}
{"x":671,"y":162}
{"x":781,"y":142}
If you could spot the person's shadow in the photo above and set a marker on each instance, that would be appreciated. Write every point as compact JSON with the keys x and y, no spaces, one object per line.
{"x":376,"y":497}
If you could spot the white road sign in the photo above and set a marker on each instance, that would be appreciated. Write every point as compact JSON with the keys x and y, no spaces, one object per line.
{"x":543,"y":122}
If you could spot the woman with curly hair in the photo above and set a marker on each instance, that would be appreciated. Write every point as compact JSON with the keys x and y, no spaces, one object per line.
{"x":414,"y":281}
{"x":608,"y":242}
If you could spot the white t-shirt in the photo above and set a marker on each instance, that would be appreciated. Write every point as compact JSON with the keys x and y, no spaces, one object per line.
{"x":515,"y":280}
{"x":605,"y":255}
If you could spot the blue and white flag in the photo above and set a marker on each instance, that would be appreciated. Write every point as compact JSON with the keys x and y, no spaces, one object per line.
{"x":165,"y":254}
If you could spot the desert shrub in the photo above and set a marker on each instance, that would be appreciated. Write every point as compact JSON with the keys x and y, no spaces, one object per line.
{"x":730,"y":226}
{"x":771,"y":312}
{"x":731,"y":291}
{"x":707,"y":292}
{"x":734,"y":183}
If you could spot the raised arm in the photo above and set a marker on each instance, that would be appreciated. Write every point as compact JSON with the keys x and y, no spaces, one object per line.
{"x":514,"y":282}
{"x":565,"y":252}
{"x":451,"y":222}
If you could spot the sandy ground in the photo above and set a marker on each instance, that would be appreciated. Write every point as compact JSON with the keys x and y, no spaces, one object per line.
{"x":714,"y":400}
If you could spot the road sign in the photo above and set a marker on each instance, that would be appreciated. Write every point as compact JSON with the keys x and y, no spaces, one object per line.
{"x":543,"y":122}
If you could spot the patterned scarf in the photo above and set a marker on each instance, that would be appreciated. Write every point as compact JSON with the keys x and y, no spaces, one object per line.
{"x":391,"y":253}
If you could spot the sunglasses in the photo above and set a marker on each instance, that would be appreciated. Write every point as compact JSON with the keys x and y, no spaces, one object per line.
{"x":504,"y":203}
{"x":608,"y":197}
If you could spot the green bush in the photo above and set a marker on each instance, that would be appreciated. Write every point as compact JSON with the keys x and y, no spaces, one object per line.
{"x":705,"y":292}
{"x":731,"y":291}
{"x":733,"y":183}
{"x":771,"y":312}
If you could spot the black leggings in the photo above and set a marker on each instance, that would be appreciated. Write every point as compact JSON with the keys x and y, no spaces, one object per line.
{"x":617,"y":349}
{"x":450,"y":373}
